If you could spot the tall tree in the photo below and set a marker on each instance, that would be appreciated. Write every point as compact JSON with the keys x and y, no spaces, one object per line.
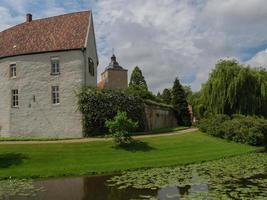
{"x":188,"y":91}
{"x":196,"y":101}
{"x":180,"y":104}
{"x":235,"y":89}
{"x":166,"y":96}
{"x":138,"y":86}
{"x":158,"y":95}
{"x":137,"y":78}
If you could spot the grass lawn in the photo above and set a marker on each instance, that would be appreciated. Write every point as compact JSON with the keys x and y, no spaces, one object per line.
{"x":47,"y":160}
{"x":163,"y":130}
{"x":156,"y":131}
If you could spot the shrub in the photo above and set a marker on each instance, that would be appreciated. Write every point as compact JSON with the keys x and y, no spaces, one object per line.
{"x":98,"y":106}
{"x":239,"y":128}
{"x":120,"y":128}
{"x":213,"y":124}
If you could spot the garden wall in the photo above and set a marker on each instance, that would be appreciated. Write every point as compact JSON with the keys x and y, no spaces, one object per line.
{"x":158,"y":116}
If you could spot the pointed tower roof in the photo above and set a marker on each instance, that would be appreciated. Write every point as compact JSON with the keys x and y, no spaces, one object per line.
{"x":113,"y":63}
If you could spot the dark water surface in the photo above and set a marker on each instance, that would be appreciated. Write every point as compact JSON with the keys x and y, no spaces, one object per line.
{"x":83,"y":188}
{"x":96,"y":188}
{"x":241,"y":177}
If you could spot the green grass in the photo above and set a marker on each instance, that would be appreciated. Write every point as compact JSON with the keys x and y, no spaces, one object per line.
{"x":48,"y":160}
{"x":163,"y":130}
{"x":99,"y":135}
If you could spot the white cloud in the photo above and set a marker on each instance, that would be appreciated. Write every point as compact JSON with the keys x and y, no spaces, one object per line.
{"x":170,"y":38}
{"x":166,"y":38}
{"x":155,"y":35}
{"x":17,"y":5}
{"x":14,"y":12}
{"x":7,"y":19}
{"x":53,"y":11}
{"x":259,"y":60}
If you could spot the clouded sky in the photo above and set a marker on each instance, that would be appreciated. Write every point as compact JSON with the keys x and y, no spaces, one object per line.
{"x":165,"y":38}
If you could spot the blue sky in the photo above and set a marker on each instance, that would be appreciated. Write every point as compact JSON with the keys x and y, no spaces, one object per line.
{"x":165,"y":38}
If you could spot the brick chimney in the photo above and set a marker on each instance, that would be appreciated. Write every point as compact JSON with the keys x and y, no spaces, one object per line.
{"x":29,"y":17}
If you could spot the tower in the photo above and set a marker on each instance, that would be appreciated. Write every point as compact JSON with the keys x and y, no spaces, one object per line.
{"x":114,"y":76}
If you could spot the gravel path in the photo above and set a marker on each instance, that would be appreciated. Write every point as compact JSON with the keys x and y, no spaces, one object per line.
{"x":83,"y":140}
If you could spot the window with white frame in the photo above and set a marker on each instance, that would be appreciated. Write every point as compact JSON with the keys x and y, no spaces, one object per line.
{"x":55,"y":94}
{"x":55,"y":66}
{"x":15,"y":98}
{"x":13,"y":70}
{"x":91,"y":66}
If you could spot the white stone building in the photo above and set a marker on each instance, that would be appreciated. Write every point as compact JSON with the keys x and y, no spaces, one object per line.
{"x":42,"y":62}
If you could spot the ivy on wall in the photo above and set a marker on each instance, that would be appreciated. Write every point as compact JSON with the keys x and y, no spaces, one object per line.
{"x":97,"y":106}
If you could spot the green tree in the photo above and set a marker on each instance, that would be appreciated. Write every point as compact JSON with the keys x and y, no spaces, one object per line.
{"x":196,"y":101}
{"x":159,"y":95}
{"x":235,"y":89}
{"x":141,"y":92}
{"x":188,"y":92}
{"x":166,"y":96}
{"x":138,"y":86}
{"x":180,"y":104}
{"x":120,"y":128}
{"x":137,"y":79}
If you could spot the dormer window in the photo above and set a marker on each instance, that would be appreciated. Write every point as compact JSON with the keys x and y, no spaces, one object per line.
{"x":91,"y":66}
{"x":55,"y":69}
{"x":13,"y":70}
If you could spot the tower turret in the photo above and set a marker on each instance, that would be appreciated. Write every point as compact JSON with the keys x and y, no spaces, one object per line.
{"x":114,"y":76}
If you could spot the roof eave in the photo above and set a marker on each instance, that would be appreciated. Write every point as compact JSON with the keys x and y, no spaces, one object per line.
{"x":41,"y":52}
{"x":91,"y":25}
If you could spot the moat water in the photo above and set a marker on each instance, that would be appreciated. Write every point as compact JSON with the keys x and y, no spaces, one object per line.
{"x":97,"y":188}
{"x":82,"y":188}
{"x":240,"y":177}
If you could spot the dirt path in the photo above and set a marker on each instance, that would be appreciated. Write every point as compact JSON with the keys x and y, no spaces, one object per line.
{"x":83,"y":140}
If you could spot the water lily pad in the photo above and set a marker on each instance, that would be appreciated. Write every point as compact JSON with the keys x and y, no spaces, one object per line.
{"x":240,"y":177}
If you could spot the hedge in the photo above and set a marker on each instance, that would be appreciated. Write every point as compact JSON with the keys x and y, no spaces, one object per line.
{"x":239,"y":128}
{"x":155,"y":103}
{"x":97,"y":106}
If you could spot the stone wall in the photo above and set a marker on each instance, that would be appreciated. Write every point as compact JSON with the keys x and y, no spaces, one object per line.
{"x":158,"y":116}
{"x":115,"y":78}
{"x":36,"y":116}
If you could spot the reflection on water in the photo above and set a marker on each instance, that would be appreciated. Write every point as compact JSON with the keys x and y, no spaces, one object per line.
{"x":241,"y":177}
{"x":83,"y":188}
{"x":95,"y":188}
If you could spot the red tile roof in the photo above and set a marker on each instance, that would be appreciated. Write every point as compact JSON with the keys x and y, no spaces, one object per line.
{"x":101,"y":84}
{"x":64,"y":32}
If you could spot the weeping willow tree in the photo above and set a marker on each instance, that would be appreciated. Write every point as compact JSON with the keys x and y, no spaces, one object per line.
{"x":235,"y":89}
{"x":197,"y":102}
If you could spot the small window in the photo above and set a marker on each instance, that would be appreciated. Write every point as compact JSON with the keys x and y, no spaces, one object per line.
{"x":55,"y":66}
{"x":13,"y":70}
{"x":14,"y":98}
{"x":55,"y":94}
{"x":91,"y":66}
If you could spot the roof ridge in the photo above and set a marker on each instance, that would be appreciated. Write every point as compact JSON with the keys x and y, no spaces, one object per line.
{"x":34,"y":20}
{"x":61,"y":15}
{"x":46,"y":34}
